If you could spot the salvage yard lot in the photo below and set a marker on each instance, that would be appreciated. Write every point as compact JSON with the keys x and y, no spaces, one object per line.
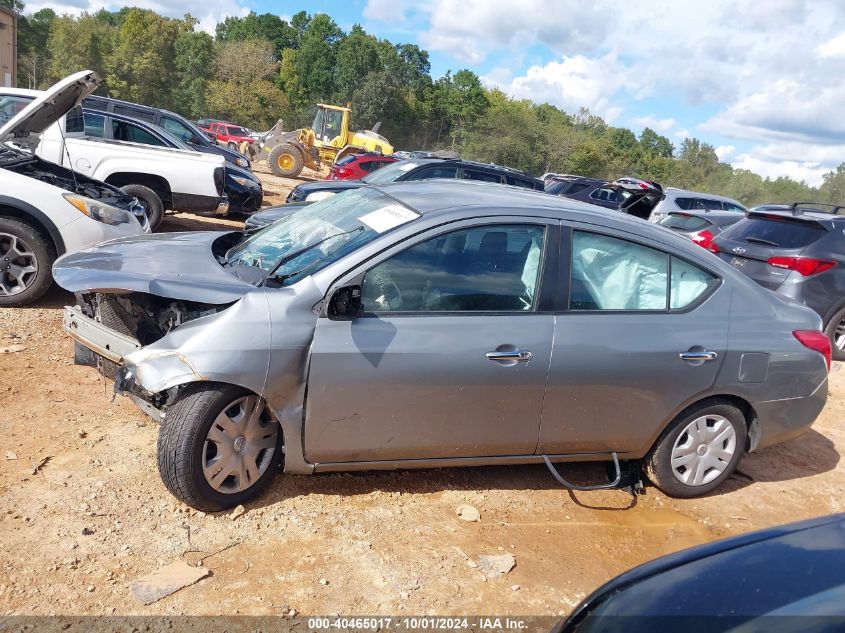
{"x":83,"y":511}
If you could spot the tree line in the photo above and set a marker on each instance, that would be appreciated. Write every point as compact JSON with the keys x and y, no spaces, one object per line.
{"x":260,"y":68}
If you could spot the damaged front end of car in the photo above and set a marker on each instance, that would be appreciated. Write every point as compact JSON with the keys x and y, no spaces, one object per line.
{"x":153,"y":325}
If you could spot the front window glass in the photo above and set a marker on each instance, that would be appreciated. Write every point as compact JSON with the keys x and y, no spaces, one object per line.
{"x":390,"y":173}
{"x":487,"y":268}
{"x":178,"y":129}
{"x":613,"y":274}
{"x":307,"y":241}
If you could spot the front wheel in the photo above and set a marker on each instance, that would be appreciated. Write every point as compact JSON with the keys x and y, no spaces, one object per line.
{"x":26,"y":261}
{"x":218,"y":447}
{"x":699,"y":450}
{"x":285,"y":161}
{"x":836,"y":333}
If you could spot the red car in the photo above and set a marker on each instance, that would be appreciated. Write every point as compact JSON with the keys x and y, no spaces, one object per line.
{"x":356,"y":166}
{"x":229,"y":134}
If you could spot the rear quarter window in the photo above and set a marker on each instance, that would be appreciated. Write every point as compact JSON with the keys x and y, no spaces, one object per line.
{"x":777,"y":233}
{"x":684,"y":222}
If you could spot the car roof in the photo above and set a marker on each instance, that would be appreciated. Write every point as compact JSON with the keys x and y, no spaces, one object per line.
{"x":472,"y":163}
{"x":827,"y":219}
{"x":686,"y":192}
{"x":430,"y":196}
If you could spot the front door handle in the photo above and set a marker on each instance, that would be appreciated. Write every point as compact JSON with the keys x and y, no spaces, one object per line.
{"x":703,"y":355}
{"x":520,"y":356}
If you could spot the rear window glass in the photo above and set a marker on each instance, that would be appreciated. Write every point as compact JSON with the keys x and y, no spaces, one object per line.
{"x":688,"y":204}
{"x":347,"y":159}
{"x":775,"y":232}
{"x":684,"y":222}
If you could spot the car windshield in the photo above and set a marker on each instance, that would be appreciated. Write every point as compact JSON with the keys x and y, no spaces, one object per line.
{"x":307,"y":241}
{"x":390,"y":173}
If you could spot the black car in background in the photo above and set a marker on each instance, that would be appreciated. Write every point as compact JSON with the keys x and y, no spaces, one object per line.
{"x":787,"y":579}
{"x":799,"y":252}
{"x":631,"y":195}
{"x":700,"y":226}
{"x":178,"y":126}
{"x":241,"y":186}
{"x":419,"y":169}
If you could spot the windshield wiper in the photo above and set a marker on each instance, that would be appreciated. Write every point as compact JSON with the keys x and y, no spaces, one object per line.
{"x":287,"y":258}
{"x":760,"y":240}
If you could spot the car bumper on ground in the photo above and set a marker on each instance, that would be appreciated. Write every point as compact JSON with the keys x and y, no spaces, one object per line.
{"x":245,"y":199}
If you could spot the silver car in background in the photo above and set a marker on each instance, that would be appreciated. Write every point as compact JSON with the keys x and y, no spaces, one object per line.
{"x":443,"y":323}
{"x":683,"y":200}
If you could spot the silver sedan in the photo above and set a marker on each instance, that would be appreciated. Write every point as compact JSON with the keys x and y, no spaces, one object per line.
{"x":443,"y":323}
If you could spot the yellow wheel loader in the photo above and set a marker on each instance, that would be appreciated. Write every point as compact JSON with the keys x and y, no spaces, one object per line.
{"x":326,"y":141}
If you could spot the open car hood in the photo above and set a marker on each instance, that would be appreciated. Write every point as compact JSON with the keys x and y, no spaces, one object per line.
{"x":172,"y":265}
{"x":25,"y":127}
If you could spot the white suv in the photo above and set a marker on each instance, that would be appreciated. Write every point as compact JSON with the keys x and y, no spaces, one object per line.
{"x":683,"y":200}
{"x":47,"y":210}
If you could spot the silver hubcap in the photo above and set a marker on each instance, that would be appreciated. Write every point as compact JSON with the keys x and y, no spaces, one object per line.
{"x":239,"y":446}
{"x":839,"y":336}
{"x":18,"y":265}
{"x":703,"y":450}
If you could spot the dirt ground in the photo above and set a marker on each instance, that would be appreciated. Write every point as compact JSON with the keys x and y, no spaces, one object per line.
{"x":83,"y":513}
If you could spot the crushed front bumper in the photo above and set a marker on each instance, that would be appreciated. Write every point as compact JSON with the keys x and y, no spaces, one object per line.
{"x":100,"y":339}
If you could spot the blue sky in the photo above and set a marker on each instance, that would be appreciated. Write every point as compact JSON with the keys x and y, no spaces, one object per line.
{"x":752,"y":79}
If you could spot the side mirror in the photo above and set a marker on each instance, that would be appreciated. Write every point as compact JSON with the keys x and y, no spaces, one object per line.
{"x":345,"y":304}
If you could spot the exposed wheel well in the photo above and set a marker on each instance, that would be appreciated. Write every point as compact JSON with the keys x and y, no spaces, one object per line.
{"x":49,"y":232}
{"x":156,"y":183}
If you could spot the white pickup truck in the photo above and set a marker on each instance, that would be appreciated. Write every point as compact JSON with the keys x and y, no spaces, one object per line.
{"x":161,"y":178}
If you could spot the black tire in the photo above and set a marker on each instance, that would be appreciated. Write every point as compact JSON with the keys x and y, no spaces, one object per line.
{"x":233,"y":146}
{"x":286,"y":161}
{"x":153,"y":205}
{"x":658,"y":463}
{"x":181,"y":443}
{"x":35,"y":248}
{"x":838,"y":319}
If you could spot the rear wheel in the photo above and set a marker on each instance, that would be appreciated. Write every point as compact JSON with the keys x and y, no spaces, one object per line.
{"x":218,"y":447}
{"x":286,"y":161}
{"x":836,"y":333}
{"x":26,"y":261}
{"x":699,"y":450}
{"x":149,"y":199}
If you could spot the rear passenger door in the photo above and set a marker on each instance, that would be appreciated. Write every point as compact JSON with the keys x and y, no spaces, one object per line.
{"x":627,"y":310}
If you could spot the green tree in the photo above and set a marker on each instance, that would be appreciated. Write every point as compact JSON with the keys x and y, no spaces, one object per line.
{"x":266,"y":26}
{"x":244,"y":90}
{"x":141,"y":66}
{"x":315,"y":59}
{"x":832,"y":189}
{"x":357,"y":57}
{"x":195,"y":65}
{"x":33,"y":51}
{"x":655,"y":144}
{"x":464,"y":100}
{"x":78,"y":43}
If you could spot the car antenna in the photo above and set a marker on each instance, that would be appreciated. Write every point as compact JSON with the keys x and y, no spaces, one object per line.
{"x":67,"y":151}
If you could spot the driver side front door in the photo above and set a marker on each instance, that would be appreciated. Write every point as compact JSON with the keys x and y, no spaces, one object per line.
{"x":451,"y":356}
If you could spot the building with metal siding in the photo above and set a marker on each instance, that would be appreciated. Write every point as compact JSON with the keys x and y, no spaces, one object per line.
{"x":8,"y":47}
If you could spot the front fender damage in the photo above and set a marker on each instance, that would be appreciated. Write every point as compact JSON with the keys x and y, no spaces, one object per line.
{"x":231,"y":346}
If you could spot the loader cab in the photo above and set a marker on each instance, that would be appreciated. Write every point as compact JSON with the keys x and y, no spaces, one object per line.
{"x":331,"y":125}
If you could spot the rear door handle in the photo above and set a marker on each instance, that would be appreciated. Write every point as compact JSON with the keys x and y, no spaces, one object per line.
{"x":703,"y":355}
{"x":521,"y":356}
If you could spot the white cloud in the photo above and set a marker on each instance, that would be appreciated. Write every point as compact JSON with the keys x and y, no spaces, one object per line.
{"x":470,"y":29}
{"x":833,"y":47}
{"x":390,"y":11}
{"x":208,"y":12}
{"x":571,"y":83}
{"x":725,"y":152}
{"x":658,"y":125}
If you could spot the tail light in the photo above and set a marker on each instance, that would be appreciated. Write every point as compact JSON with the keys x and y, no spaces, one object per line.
{"x":805,"y":265}
{"x":816,"y":341}
{"x":713,"y":247}
{"x":703,"y":238}
{"x":219,"y":179}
